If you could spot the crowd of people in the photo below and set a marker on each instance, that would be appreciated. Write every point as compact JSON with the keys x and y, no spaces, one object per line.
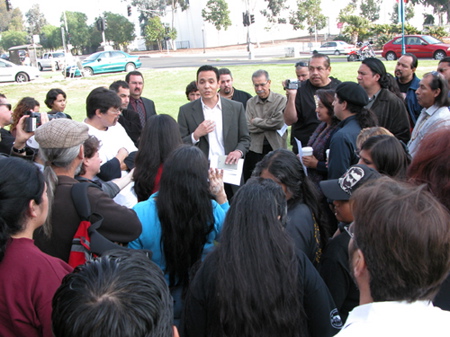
{"x":346,"y":234}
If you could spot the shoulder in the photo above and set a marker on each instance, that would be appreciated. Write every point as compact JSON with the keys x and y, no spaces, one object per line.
{"x":241,"y":93}
{"x":197,"y":104}
{"x":229,"y":104}
{"x":334,"y":82}
{"x":147,"y":100}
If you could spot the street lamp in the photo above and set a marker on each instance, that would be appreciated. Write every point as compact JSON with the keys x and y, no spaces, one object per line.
{"x":203,"y":37}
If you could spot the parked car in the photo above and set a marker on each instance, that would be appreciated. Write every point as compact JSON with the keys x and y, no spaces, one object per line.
{"x":419,"y":45}
{"x":11,"y":72}
{"x":105,"y":62}
{"x":334,"y":47}
{"x":57,"y":58}
{"x":5,"y":57}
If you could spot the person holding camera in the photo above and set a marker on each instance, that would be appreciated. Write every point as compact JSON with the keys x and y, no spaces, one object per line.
{"x":13,"y":144}
{"x":300,"y":109}
{"x":264,"y":120}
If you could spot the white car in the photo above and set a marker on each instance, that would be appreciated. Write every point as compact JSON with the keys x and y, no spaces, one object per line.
{"x":10,"y":72}
{"x":334,"y":48}
{"x":57,"y":58}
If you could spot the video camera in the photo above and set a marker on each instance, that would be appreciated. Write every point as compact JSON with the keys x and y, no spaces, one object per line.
{"x":34,"y":121}
{"x":291,"y":84}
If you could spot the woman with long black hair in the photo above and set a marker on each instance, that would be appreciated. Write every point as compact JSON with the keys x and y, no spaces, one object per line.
{"x":255,"y":283}
{"x":28,"y":277}
{"x":182,"y":221}
{"x":306,"y":223}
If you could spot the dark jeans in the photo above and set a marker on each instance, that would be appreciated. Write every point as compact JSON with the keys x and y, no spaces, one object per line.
{"x":253,"y":158}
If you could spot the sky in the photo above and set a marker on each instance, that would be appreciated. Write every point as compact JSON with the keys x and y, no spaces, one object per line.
{"x":53,"y":9}
{"x":92,"y":8}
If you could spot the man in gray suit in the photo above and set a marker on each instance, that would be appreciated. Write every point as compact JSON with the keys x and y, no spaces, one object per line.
{"x":216,"y":125}
{"x":143,"y":106}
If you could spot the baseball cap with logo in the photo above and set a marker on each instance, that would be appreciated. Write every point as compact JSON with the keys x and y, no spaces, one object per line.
{"x":342,"y":188}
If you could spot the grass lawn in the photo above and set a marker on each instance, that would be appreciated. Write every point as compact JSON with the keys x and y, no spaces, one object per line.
{"x":166,"y":86}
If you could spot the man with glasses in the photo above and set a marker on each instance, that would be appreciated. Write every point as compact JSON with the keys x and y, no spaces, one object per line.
{"x":302,"y":71}
{"x":8,"y":144}
{"x":300,"y":109}
{"x":399,"y":256}
{"x":334,"y":265}
{"x":118,"y":150}
{"x":444,"y":69}
{"x":264,"y":119}
{"x":432,"y":94}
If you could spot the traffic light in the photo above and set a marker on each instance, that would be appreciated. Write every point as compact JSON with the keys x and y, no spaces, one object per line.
{"x":129,"y":10}
{"x":101,"y":24}
{"x":252,"y":18}
{"x":105,"y":23}
{"x":245,"y":18}
{"x":8,"y":5}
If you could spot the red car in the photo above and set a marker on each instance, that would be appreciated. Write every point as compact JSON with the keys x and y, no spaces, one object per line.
{"x":419,"y":45}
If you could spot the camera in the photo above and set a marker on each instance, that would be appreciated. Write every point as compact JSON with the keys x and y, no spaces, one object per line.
{"x":34,"y":121}
{"x":291,"y":84}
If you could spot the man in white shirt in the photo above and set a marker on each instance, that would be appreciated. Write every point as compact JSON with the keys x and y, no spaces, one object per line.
{"x":117,"y":149}
{"x":432,"y":94}
{"x":216,"y":125}
{"x":399,"y":255}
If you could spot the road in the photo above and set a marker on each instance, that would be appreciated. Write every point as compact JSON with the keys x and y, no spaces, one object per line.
{"x":178,"y":60}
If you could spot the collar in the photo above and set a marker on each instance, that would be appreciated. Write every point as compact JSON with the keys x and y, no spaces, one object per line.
{"x":218,"y":105}
{"x":347,"y":120}
{"x":374,"y":97}
{"x":268,"y":99}
{"x":431,"y":110}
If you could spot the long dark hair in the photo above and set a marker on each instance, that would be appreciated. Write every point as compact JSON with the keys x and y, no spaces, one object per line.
{"x":185,"y":211}
{"x":388,"y":155}
{"x":257,"y":285}
{"x":20,"y":182}
{"x":161,"y":135}
{"x":23,"y":106}
{"x":286,"y":167}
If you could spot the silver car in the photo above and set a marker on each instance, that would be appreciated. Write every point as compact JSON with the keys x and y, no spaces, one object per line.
{"x":10,"y":72}
{"x":334,"y":48}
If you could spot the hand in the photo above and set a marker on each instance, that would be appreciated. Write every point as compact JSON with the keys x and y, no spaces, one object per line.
{"x":204,"y":128}
{"x":310,"y":161}
{"x":216,"y":185}
{"x":233,"y":157}
{"x":122,"y":154}
{"x":291,"y":92}
{"x":21,"y":135}
{"x":44,"y":118}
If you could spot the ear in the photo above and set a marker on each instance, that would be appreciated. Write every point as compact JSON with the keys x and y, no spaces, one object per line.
{"x":98,"y":113}
{"x":377,"y":76}
{"x":81,"y":152}
{"x":359,"y":264}
{"x":436,"y":92}
{"x":175,"y":332}
{"x":32,"y":207}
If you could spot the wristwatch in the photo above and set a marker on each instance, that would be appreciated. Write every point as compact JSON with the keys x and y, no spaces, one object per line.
{"x":17,"y":150}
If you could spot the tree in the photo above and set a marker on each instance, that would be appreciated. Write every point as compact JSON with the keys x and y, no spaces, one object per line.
{"x":12,"y":38}
{"x":309,"y":11}
{"x":409,"y":13}
{"x":35,"y":19}
{"x":78,"y":30}
{"x":273,"y":11}
{"x":120,"y":29}
{"x":155,"y":31}
{"x":439,"y":7}
{"x":50,"y":37}
{"x":217,"y":13}
{"x":370,"y":9}
{"x":11,"y":20}
{"x":356,"y":26}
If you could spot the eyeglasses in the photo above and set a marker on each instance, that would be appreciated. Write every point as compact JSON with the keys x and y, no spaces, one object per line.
{"x":302,"y":64}
{"x":260,"y":85}
{"x":7,"y":105}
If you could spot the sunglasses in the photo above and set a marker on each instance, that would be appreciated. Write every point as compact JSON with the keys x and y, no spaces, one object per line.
{"x":7,"y":105}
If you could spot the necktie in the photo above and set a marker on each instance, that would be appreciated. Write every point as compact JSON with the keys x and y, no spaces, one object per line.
{"x":140,"y":111}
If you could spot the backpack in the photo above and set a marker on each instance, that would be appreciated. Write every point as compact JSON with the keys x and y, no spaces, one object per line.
{"x":87,"y":241}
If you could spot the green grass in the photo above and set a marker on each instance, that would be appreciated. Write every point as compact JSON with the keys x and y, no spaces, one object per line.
{"x":166,"y":86}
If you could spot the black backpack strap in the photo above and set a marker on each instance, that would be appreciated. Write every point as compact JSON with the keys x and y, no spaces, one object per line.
{"x":80,"y":199}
